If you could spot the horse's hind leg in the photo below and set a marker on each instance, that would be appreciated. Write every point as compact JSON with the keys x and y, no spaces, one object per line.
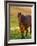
{"x":30,"y":30}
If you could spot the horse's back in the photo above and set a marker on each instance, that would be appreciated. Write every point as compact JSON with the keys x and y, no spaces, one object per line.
{"x":26,"y":20}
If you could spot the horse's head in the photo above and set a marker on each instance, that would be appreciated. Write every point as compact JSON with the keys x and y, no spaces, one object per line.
{"x":19,"y":16}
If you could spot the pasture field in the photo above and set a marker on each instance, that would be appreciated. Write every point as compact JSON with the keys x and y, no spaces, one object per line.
{"x":15,"y":32}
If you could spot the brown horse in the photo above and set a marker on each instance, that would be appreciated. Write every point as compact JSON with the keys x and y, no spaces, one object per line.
{"x":24,"y":22}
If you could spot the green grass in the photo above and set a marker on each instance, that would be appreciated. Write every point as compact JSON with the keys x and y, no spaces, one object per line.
{"x":14,"y":31}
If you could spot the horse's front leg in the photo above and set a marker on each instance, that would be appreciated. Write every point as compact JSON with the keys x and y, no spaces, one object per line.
{"x":22,"y":30}
{"x":26,"y":31}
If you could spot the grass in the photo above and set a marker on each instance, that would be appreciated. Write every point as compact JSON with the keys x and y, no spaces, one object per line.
{"x":15,"y":32}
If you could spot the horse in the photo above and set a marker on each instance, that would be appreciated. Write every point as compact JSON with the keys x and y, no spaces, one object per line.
{"x":24,"y":22}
